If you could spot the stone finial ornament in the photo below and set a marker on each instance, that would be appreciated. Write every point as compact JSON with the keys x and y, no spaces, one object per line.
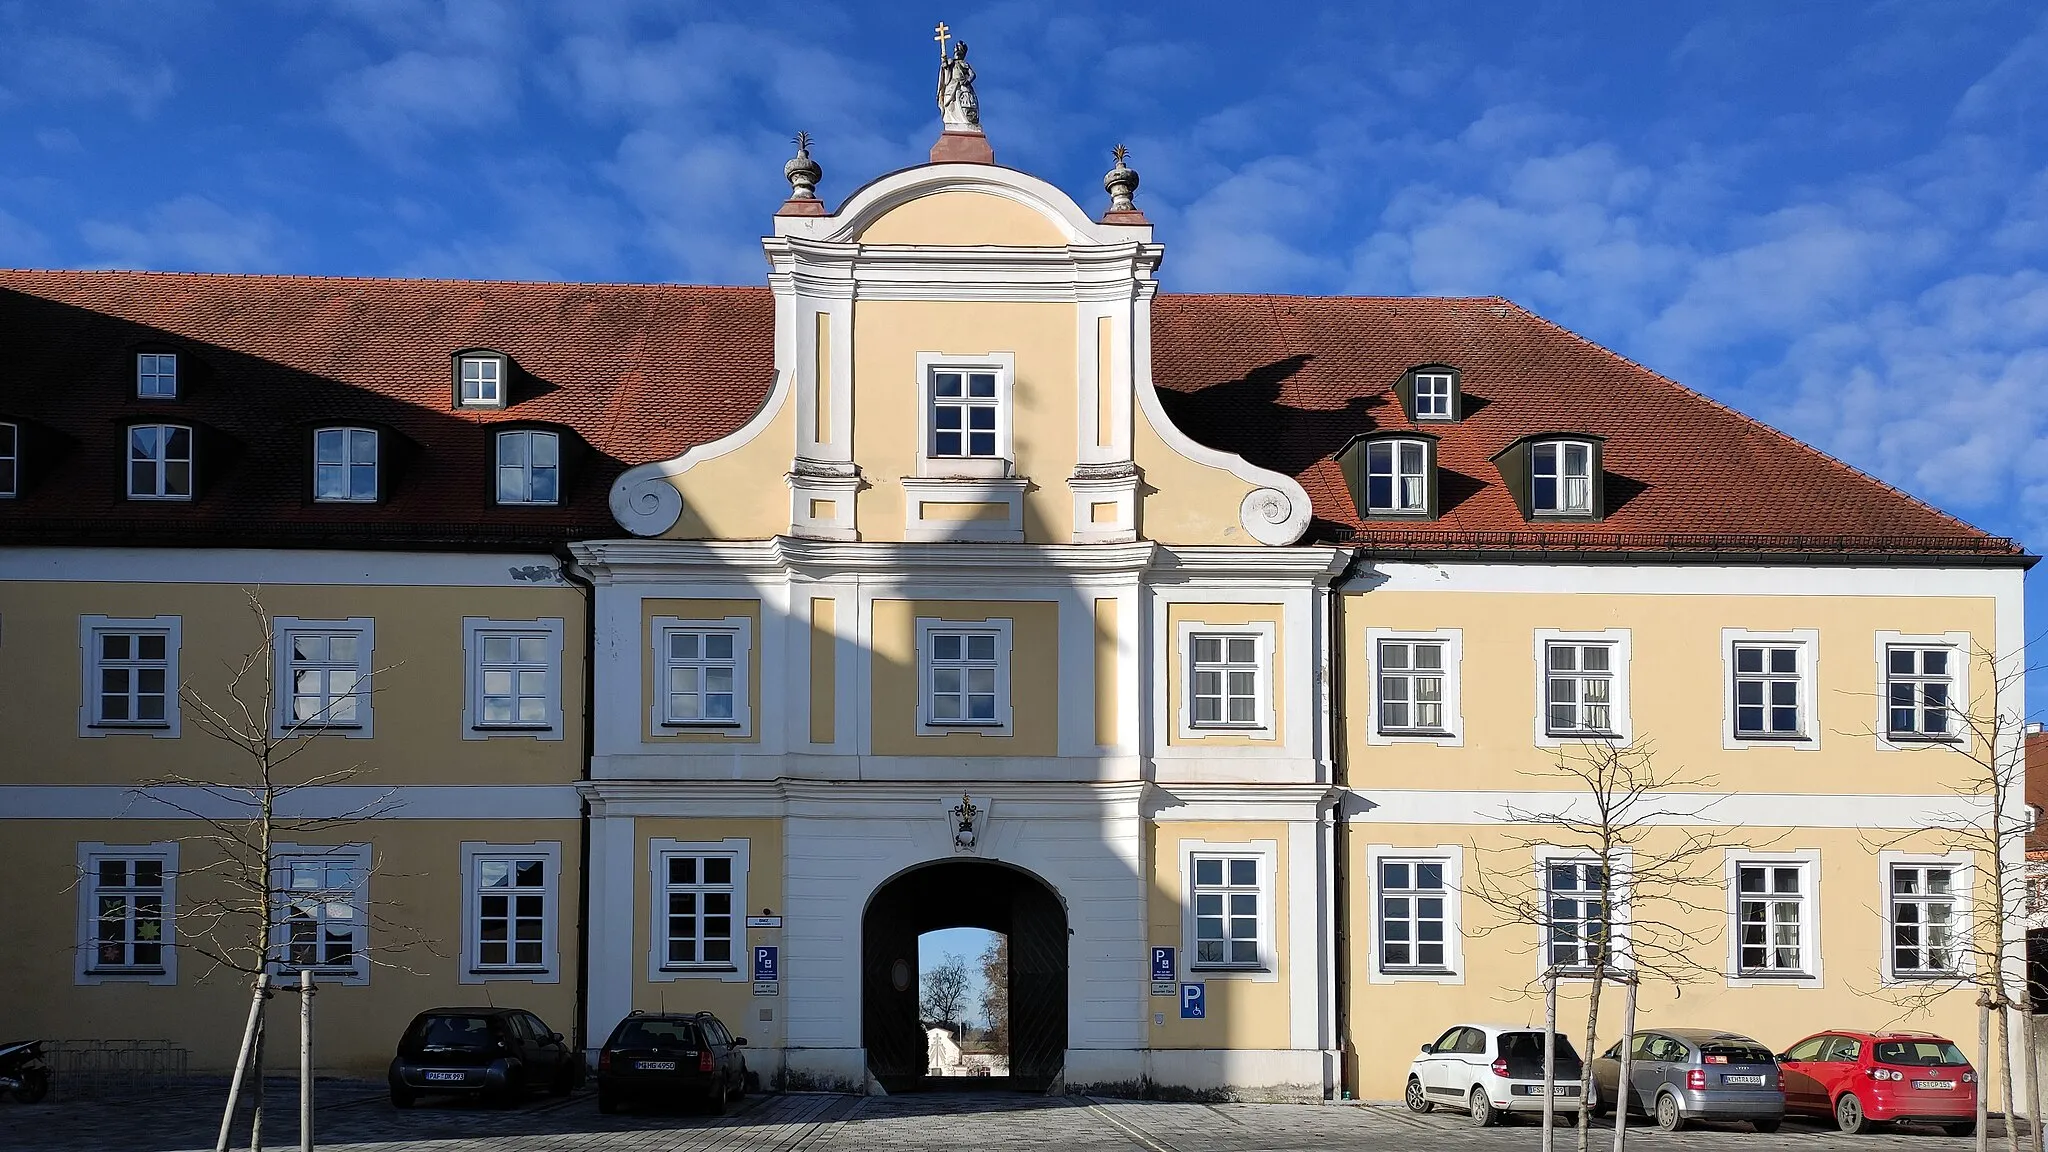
{"x":802,"y":172}
{"x":1122,"y":186}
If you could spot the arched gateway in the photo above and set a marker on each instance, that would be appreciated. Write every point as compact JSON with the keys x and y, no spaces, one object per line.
{"x":964,"y":894}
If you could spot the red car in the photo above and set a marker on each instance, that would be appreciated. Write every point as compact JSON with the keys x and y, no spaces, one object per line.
{"x":1862,"y":1079}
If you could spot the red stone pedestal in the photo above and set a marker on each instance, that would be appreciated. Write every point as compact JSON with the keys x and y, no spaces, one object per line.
{"x":962,"y":148}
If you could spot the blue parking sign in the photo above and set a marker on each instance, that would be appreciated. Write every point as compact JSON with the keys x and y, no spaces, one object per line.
{"x":765,"y":964}
{"x":1193,"y":1002}
{"x":1162,"y":964}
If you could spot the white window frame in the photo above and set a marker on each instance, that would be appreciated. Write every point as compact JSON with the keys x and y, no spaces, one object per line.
{"x":1807,"y":860}
{"x":11,"y":459}
{"x":526,"y":467}
{"x":659,"y":851}
{"x":1003,"y":463}
{"x":162,"y":461}
{"x":1001,"y":627}
{"x":89,"y":630}
{"x":1618,"y":912}
{"x":348,"y":465}
{"x":1808,"y":642}
{"x":1266,"y":638}
{"x":499,"y":370}
{"x":1960,"y":651}
{"x":549,"y":971}
{"x":1450,"y":397}
{"x":1396,"y":475}
{"x":1561,"y":446}
{"x":742,"y":722}
{"x":1623,"y":728}
{"x":1452,"y":858}
{"x":1267,"y":970}
{"x":282,"y":723}
{"x":356,"y":856}
{"x":475,"y":629}
{"x":85,"y":970}
{"x":1964,"y":882}
{"x":150,"y":366}
{"x":1453,"y":735}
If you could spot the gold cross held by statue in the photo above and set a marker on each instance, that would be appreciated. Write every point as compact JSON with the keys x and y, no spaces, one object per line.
{"x":943,"y":34}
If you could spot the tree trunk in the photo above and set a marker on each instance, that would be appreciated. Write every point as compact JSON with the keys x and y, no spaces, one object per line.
{"x":2012,"y":1119}
{"x":1983,"y":1072}
{"x":241,"y":1072}
{"x":1549,"y":1139}
{"x":305,"y":1061}
{"x":1586,"y":1061}
{"x":256,"y":1088}
{"x":1628,"y":1036}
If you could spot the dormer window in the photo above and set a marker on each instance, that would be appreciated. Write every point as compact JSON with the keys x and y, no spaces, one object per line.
{"x":1561,"y":478}
{"x":159,"y":462}
{"x":1430,"y":394}
{"x":156,"y":375}
{"x":482,"y":379}
{"x":10,"y":461}
{"x":345,"y":466}
{"x":1392,"y":476}
{"x":529,"y":467}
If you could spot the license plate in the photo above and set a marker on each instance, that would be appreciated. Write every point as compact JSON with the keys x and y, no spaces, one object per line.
{"x":1934,"y":1083}
{"x":444,"y":1076}
{"x":1742,"y":1079}
{"x":655,"y":1065}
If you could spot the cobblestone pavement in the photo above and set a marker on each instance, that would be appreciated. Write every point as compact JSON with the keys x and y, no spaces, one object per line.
{"x":356,"y":1117}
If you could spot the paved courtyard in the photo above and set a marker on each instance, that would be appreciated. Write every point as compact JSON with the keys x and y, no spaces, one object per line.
{"x":357,"y":1117}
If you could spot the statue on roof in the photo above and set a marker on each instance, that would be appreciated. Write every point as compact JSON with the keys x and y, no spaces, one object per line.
{"x":959,"y":111}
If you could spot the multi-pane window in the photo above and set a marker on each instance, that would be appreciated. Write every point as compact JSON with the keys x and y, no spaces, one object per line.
{"x":1411,"y":680}
{"x":1561,"y":475}
{"x":1920,"y":691}
{"x":345,"y":465}
{"x":1412,"y":916}
{"x":1771,"y":916}
{"x":699,"y":912}
{"x":1225,"y":678}
{"x":1576,"y":926}
{"x":1767,"y":690}
{"x":483,"y":381}
{"x":529,"y":467}
{"x":701,"y":675}
{"x":1227,"y":896}
{"x":1396,"y":476}
{"x":1432,"y":396}
{"x":159,"y":462}
{"x":963,"y":668}
{"x":132,"y":676}
{"x":130,"y":926}
{"x":512,"y":682}
{"x":322,"y":920}
{"x":323,"y":672}
{"x":156,"y":375}
{"x":10,"y":460}
{"x":1579,"y":687}
{"x":1923,"y":920}
{"x":965,"y":408}
{"x":511,"y":912}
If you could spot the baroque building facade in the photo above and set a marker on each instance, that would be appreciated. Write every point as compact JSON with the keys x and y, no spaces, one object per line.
{"x":1220,"y":651}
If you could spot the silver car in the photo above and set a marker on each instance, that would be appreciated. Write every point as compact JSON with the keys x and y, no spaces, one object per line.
{"x":1683,"y":1074}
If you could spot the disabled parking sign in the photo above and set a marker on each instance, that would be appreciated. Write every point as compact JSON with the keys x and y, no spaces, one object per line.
{"x":1193,"y":1002}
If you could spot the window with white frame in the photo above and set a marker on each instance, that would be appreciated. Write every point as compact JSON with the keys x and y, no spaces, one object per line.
{"x":1773,"y":918}
{"x":1433,"y":396}
{"x":483,"y":381}
{"x":1229,"y":894}
{"x":529,"y":467}
{"x":966,"y":409}
{"x":322,"y":923}
{"x":510,"y":909}
{"x":10,"y":460}
{"x":1770,"y":690}
{"x":699,"y":907}
{"x":131,"y":673}
{"x":1226,"y":675}
{"x":1397,"y":476}
{"x":1414,"y":915}
{"x":1578,"y":924}
{"x":1920,"y":694}
{"x":324,"y":674}
{"x":964,"y":673}
{"x":159,"y":462}
{"x":1925,"y":920}
{"x":156,"y":375}
{"x":703,"y":674}
{"x":1579,"y":682}
{"x":131,"y":914}
{"x":514,"y":677}
{"x":345,"y":465}
{"x":1561,"y":477}
{"x":1411,"y":686}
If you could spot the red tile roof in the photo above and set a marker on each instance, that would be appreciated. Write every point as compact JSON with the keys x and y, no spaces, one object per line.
{"x":641,"y":372}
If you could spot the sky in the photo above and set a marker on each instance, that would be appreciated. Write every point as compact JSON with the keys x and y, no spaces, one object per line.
{"x":1830,"y":215}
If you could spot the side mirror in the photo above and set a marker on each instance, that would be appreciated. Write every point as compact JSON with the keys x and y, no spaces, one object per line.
{"x":1428,"y":1048}
{"x":1783,"y":1058}
{"x":739,"y":1041}
{"x":554,"y":1037}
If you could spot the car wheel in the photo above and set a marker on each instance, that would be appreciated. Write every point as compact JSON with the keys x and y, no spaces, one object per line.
{"x":564,"y":1081}
{"x":1416,"y":1099}
{"x":35,"y":1084}
{"x":1966,"y":1128}
{"x":1849,"y":1115}
{"x":607,"y":1103}
{"x":1483,"y":1113}
{"x":1669,"y":1118}
{"x":401,"y":1098}
{"x":513,"y":1092}
{"x":1765,"y":1126}
{"x":716,"y":1104}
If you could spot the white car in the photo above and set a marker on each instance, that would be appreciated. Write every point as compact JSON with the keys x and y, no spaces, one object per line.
{"x":1490,"y":1070}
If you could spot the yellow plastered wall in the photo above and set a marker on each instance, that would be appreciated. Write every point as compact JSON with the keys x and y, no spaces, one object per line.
{"x":740,"y":495}
{"x":709,"y":612}
{"x":963,"y":218}
{"x":417,"y":735}
{"x":1675,"y":682}
{"x":1385,"y":1023}
{"x":1222,"y":616}
{"x":732,"y":1001}
{"x":1034,"y":679}
{"x":416,"y":898}
{"x":1182,"y":501}
{"x":1240,"y":1012}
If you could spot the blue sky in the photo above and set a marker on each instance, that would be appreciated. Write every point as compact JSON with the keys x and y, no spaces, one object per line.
{"x":1830,"y":215}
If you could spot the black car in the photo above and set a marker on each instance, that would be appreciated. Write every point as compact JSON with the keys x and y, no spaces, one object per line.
{"x":499,"y":1053}
{"x":683,"y":1058}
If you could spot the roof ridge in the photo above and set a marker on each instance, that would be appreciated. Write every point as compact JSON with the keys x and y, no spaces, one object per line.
{"x":1335,"y":299}
{"x":111,"y":273}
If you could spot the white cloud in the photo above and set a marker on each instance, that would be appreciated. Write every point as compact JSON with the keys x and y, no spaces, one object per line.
{"x":79,"y":68}
{"x":392,"y":105}
{"x":193,"y":234}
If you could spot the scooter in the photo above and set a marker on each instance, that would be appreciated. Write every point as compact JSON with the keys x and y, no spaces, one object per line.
{"x":23,"y":1072}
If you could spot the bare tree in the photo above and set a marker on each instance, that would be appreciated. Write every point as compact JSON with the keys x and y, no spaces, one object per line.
{"x":1613,"y":884}
{"x":995,"y":991}
{"x":942,"y":990}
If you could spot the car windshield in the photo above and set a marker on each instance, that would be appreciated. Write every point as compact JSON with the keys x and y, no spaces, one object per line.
{"x":1735,"y":1052}
{"x":1919,"y":1053}
{"x":656,"y":1034}
{"x":451,"y":1032}
{"x":1520,"y":1046}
